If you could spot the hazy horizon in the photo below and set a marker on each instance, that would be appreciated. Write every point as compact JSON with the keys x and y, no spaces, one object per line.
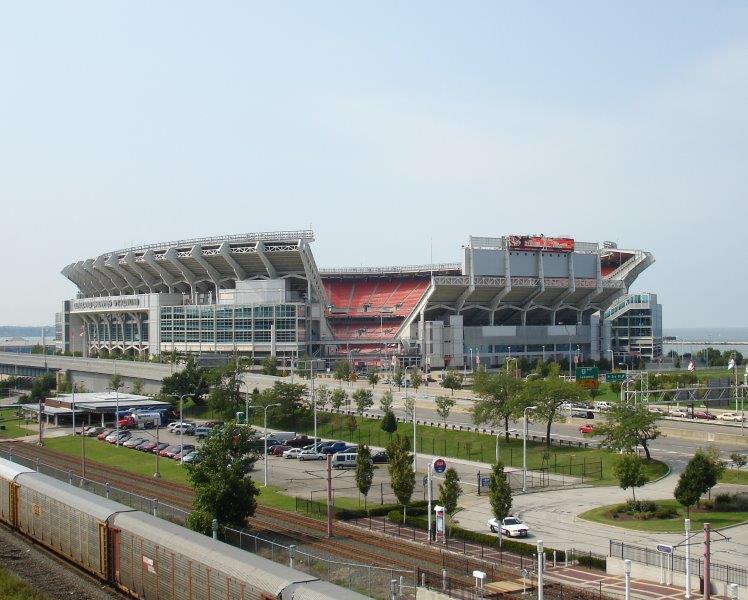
{"x":390,"y":129}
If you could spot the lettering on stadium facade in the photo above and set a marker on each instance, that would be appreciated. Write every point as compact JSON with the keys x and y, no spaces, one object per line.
{"x":106,"y":303}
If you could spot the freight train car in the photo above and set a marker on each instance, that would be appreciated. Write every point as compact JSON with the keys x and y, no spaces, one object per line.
{"x":144,"y":556}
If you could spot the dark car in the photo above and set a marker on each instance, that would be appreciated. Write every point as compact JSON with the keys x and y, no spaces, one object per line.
{"x":704,"y":414}
{"x":101,"y":435}
{"x":93,"y":431}
{"x":187,"y":449}
{"x":279,"y":449}
{"x":300,"y":441}
{"x":159,"y":447}
{"x":583,"y":414}
{"x":380,"y":457}
{"x":146,"y":446}
{"x":334,"y":447}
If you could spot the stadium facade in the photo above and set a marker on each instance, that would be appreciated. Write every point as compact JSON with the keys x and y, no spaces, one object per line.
{"x":263,"y":294}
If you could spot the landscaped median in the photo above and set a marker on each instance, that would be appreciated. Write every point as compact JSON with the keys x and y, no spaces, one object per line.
{"x":666,"y":516}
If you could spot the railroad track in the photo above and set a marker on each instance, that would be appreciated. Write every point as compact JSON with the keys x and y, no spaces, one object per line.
{"x":358,"y":545}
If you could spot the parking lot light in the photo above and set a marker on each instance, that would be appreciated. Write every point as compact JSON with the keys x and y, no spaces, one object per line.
{"x":265,"y":458}
{"x":524,"y":449}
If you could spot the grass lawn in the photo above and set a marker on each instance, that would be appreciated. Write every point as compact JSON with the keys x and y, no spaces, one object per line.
{"x":11,"y":422}
{"x":12,"y":588}
{"x":674,"y":525}
{"x":735,"y":476}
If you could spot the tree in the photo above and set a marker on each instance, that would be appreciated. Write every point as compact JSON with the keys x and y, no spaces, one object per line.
{"x":338,"y":398}
{"x":373,"y":376}
{"x":351,"y":424}
{"x":292,"y":398}
{"x":389,"y":422}
{"x":137,"y":387}
{"x":699,"y":477}
{"x":498,"y":399}
{"x":397,"y":376}
{"x":452,"y":380}
{"x":223,"y":487}
{"x":342,"y":371}
{"x":547,"y":395}
{"x":450,"y":492}
{"x":270,"y":365}
{"x":410,"y":404}
{"x":42,"y":386}
{"x":444,"y":405}
{"x":499,"y":492}
{"x":224,"y":397}
{"x":630,"y":472}
{"x":192,"y":379}
{"x":115,"y":382}
{"x":323,"y":396}
{"x":416,"y":379}
{"x":364,"y":471}
{"x":629,"y":424}
{"x":402,"y":476}
{"x":739,"y":460}
{"x":385,"y":402}
{"x":364,"y":399}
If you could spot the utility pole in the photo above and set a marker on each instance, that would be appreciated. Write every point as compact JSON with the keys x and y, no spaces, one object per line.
{"x":707,"y":561}
{"x":329,"y":496}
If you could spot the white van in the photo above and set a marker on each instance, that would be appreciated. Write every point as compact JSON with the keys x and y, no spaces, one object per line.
{"x":344,"y":460}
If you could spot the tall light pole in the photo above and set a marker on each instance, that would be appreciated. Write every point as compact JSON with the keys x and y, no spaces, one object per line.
{"x":181,"y":423}
{"x":115,"y":389}
{"x":265,"y":484}
{"x":524,"y":449}
{"x":627,"y":573}
{"x":687,"y":527}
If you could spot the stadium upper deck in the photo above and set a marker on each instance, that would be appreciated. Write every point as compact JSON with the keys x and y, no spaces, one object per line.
{"x":520,"y":287}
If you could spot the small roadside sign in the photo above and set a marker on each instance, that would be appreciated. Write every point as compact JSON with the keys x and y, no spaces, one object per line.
{"x":664,"y":549}
{"x":439,"y":465}
{"x":615,"y":377}
{"x":485,"y":481}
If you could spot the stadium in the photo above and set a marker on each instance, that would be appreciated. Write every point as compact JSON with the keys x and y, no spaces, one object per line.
{"x":263,"y":294}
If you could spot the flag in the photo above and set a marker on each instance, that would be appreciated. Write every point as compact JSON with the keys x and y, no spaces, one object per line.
{"x":477,"y":359}
{"x":691,"y":366}
{"x":731,"y":364}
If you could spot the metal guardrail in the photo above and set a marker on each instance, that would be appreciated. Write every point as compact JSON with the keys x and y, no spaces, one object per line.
{"x":650,"y":557}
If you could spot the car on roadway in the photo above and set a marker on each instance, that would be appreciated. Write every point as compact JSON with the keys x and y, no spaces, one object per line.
{"x":656,"y":410}
{"x":509,"y":526}
{"x":586,"y":428}
{"x":704,"y":414}
{"x":292,"y":453}
{"x":583,"y":414}
{"x":310,"y":454}
{"x":380,"y":457}
{"x":678,"y":412}
{"x":731,"y":416}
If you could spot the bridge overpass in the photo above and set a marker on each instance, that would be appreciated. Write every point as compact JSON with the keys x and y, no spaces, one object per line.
{"x":94,"y":373}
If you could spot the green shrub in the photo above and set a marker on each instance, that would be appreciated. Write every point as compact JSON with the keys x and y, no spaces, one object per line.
{"x":593,"y":562}
{"x":730,"y":502}
{"x":640,"y":506}
{"x":666,"y":512}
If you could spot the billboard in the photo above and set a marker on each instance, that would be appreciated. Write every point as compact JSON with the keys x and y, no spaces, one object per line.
{"x":540,"y":242}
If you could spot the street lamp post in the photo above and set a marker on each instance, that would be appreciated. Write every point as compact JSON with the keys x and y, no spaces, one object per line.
{"x":524,"y":448}
{"x":498,"y":454}
{"x":265,"y":484}
{"x":687,"y":527}
{"x":181,"y":424}
{"x":627,"y":573}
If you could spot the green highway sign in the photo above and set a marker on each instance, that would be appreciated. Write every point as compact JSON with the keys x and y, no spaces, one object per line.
{"x":586,"y":373}
{"x":615,"y":377}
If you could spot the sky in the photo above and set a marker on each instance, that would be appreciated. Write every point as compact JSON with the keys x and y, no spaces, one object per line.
{"x":392,"y":129}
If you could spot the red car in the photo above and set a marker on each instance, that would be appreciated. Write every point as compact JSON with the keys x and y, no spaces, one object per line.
{"x":586,"y":428}
{"x":169,"y":451}
{"x":704,"y":414}
{"x":278,"y":449}
{"x":104,"y":433}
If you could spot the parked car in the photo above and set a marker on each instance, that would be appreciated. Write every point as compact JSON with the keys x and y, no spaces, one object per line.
{"x":187,"y":449}
{"x":292,"y":453}
{"x":134,"y":441}
{"x":587,"y":428}
{"x":146,"y":446}
{"x":123,"y":437}
{"x":102,"y":435}
{"x":93,"y":431}
{"x":380,"y":457}
{"x":202,"y":431}
{"x":193,"y":456}
{"x":159,"y":447}
{"x":179,"y":425}
{"x":704,"y":414}
{"x":583,"y":414}
{"x":279,"y":449}
{"x":300,"y":441}
{"x":334,"y":447}
{"x":731,"y":416}
{"x":165,"y":452}
{"x":344,"y":460}
{"x":510,"y":526}
{"x":213,"y":424}
{"x":311,"y":455}
{"x":602,"y":405}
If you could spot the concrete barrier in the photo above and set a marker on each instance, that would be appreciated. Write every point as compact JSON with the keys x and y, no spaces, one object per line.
{"x":705,"y":436}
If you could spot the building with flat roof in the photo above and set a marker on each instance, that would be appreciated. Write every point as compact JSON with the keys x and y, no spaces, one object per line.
{"x":262,"y":294}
